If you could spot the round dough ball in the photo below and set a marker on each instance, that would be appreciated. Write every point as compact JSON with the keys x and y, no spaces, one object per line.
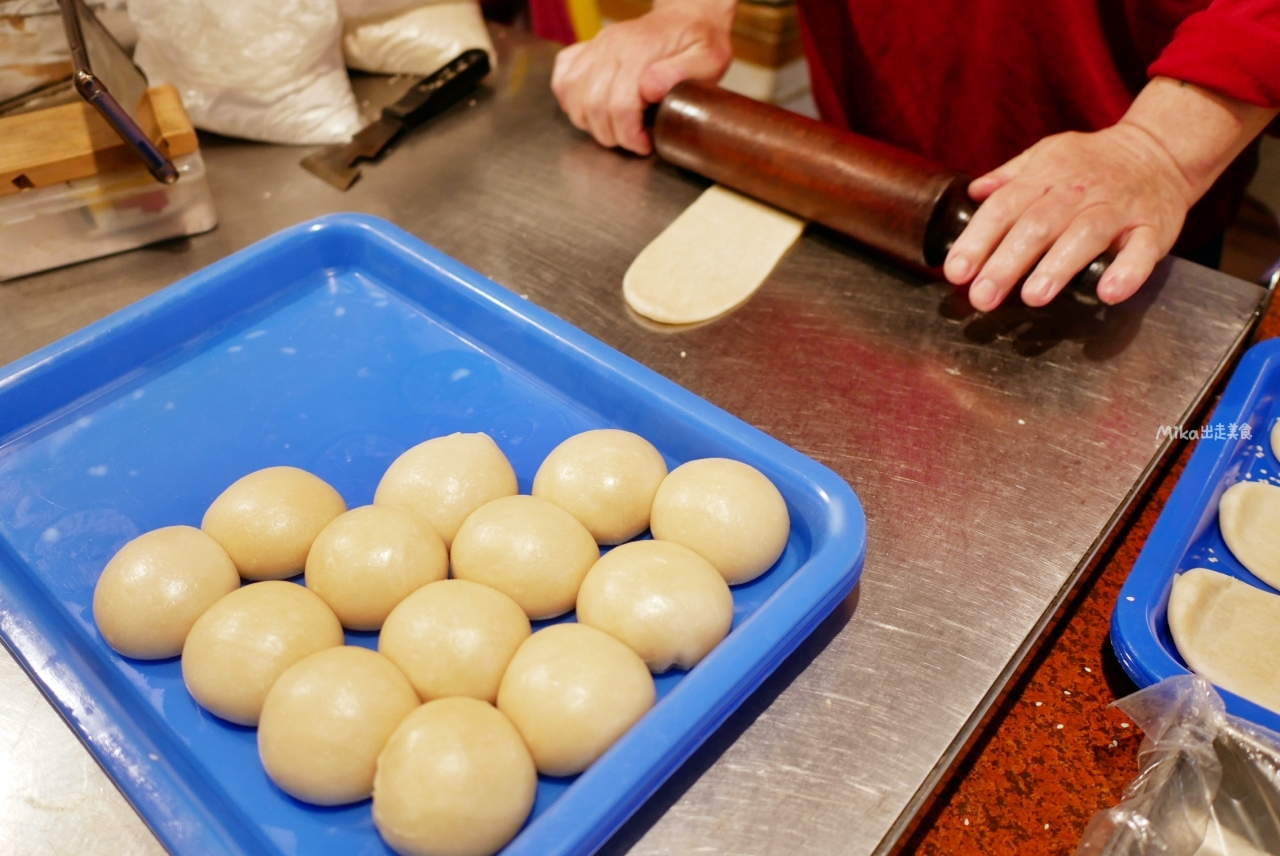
{"x":267,"y":520}
{"x":155,"y":588}
{"x":455,"y":779}
{"x":371,"y":558}
{"x":1249,"y":516}
{"x":237,"y":649}
{"x":446,"y":479}
{"x":606,"y":479}
{"x":572,"y":691}
{"x":325,"y":721}
{"x":528,"y":549}
{"x":454,"y":638}
{"x":725,"y":511}
{"x":664,"y":601}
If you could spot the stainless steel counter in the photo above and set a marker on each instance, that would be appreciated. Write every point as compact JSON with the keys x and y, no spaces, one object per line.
{"x":993,"y":454}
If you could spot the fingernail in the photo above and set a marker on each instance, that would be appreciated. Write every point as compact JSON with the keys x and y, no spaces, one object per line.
{"x":958,"y":268}
{"x":1037,"y":288}
{"x":982,"y":292}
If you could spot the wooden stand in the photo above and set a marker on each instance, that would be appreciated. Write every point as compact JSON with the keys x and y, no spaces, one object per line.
{"x":58,"y":144}
{"x":768,"y":56}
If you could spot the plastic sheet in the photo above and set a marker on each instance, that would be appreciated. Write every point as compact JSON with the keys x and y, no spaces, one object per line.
{"x":385,"y":37}
{"x":247,"y":68}
{"x":1209,"y":783}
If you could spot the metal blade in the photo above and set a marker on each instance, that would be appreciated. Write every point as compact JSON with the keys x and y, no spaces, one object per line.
{"x":336,"y":164}
{"x":94,"y":49}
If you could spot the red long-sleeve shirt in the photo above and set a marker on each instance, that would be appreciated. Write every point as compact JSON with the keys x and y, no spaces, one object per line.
{"x":972,"y":83}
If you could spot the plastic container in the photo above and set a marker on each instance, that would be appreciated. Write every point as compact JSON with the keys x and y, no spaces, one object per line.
{"x":47,"y":227}
{"x":1187,"y":535}
{"x":334,"y":346}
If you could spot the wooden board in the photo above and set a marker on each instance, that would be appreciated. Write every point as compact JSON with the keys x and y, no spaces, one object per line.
{"x":764,"y":34}
{"x":47,"y":147}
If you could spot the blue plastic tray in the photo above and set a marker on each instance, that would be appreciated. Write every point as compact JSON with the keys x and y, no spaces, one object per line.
{"x":1187,"y":535}
{"x":334,"y":346}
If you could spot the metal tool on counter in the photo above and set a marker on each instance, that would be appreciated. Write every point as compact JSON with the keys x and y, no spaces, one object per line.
{"x":106,"y":77}
{"x":426,"y":98}
{"x":892,"y":200}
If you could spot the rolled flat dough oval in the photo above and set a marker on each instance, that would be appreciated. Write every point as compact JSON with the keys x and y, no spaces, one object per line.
{"x":155,"y":588}
{"x":606,"y":479}
{"x":1275,"y":440}
{"x":267,"y":520}
{"x":237,"y":649}
{"x":1249,"y":516}
{"x":1226,"y":630}
{"x":664,"y":601}
{"x":447,"y":478}
{"x":327,"y":718}
{"x":710,"y":259}
{"x":455,"y":779}
{"x":368,"y":560}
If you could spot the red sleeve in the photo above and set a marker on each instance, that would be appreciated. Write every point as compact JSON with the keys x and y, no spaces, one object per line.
{"x":550,"y":19}
{"x":1232,"y":47}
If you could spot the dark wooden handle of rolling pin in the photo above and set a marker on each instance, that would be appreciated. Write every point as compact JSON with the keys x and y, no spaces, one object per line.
{"x":897,"y":202}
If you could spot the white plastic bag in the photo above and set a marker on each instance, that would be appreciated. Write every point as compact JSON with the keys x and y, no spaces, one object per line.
{"x":399,"y":37}
{"x":267,"y":70}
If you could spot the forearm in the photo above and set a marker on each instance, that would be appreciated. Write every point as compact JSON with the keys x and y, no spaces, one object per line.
{"x":1199,"y":130}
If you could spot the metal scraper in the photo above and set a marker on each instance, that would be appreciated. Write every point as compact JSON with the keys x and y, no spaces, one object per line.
{"x":426,"y":98}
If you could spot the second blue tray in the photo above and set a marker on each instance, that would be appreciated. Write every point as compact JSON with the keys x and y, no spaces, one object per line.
{"x":1187,"y":536}
{"x":334,"y":346}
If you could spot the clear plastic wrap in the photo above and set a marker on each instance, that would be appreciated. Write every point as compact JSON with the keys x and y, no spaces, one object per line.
{"x":387,"y":37}
{"x":1209,"y":783}
{"x":269,"y":71}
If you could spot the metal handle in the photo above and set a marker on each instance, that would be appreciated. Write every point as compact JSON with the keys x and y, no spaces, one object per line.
{"x":96,"y":94}
{"x":440,"y":90}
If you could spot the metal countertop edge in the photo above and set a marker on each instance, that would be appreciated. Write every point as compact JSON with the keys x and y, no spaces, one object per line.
{"x":940,"y":776}
{"x":66,"y":720}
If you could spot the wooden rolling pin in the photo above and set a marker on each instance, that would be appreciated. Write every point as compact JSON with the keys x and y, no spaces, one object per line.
{"x":892,"y":200}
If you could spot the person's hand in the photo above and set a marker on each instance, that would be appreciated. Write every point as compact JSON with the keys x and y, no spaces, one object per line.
{"x":605,"y":84}
{"x":1070,"y":197}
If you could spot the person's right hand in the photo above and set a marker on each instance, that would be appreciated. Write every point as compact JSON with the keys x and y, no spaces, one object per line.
{"x":605,"y":84}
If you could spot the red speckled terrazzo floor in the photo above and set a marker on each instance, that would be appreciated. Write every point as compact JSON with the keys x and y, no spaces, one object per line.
{"x":1054,"y":754}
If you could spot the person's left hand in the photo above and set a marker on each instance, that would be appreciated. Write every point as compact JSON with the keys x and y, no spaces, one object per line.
{"x":1068,"y":199}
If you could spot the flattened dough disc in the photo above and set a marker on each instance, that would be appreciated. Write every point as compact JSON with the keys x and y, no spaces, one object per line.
{"x":1249,"y":516}
{"x":710,"y":259}
{"x":1226,"y":631}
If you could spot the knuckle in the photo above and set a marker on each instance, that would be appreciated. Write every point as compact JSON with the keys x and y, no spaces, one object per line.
{"x":998,"y":208}
{"x":1095,"y":228}
{"x":1035,"y":229}
{"x":624,"y":100}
